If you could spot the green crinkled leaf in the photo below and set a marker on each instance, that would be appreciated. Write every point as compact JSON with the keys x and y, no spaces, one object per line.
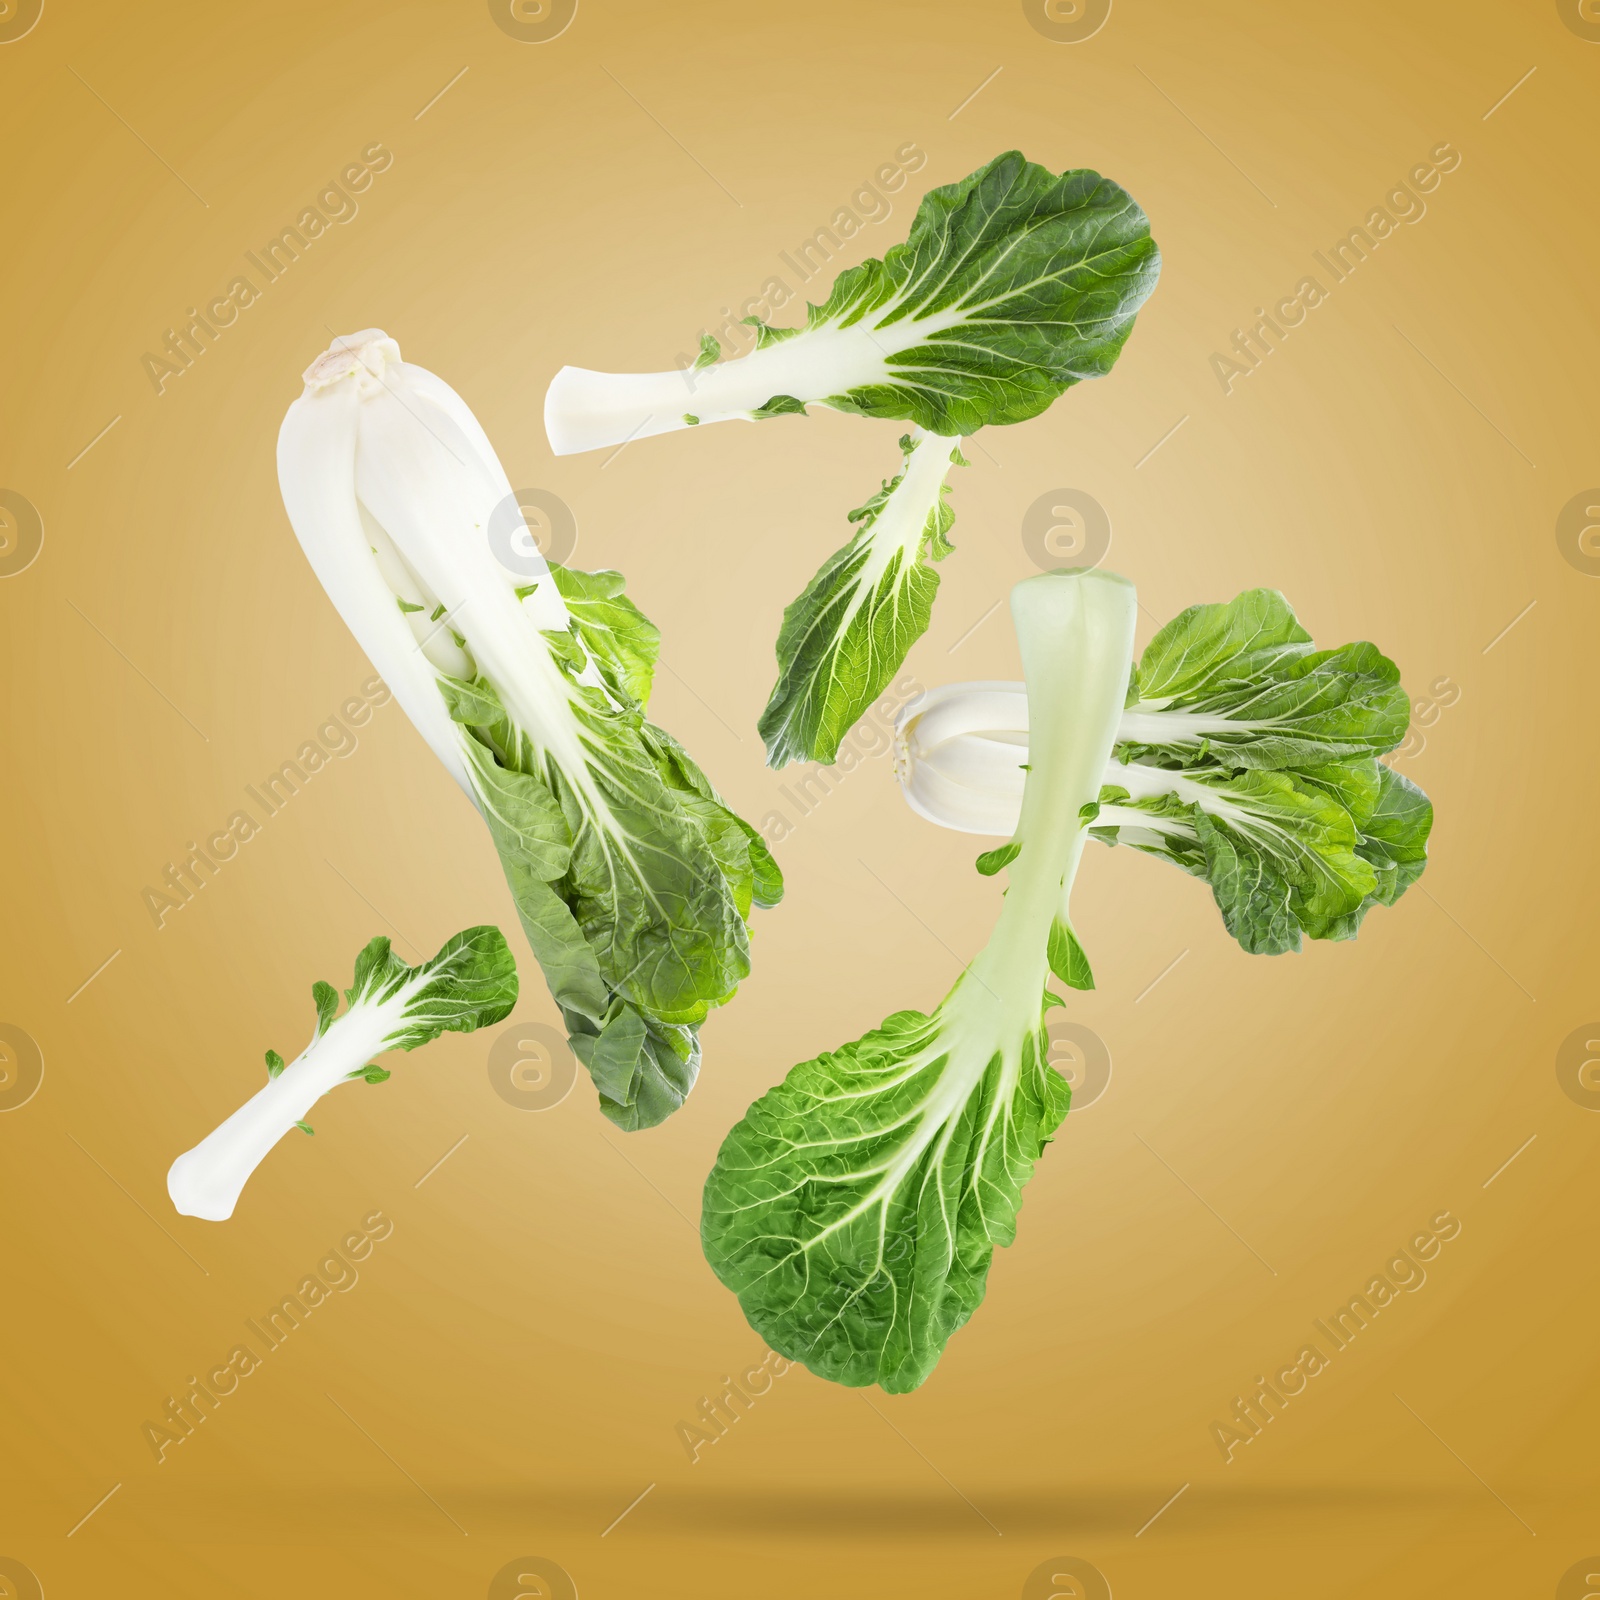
{"x":765,"y":879}
{"x":275,"y":1061}
{"x":855,"y":1219}
{"x":1394,"y":838}
{"x":1211,"y":648}
{"x":847,"y":635}
{"x":640,"y":908}
{"x":1394,"y":819}
{"x":567,"y":648}
{"x":766,"y":876}
{"x":642,"y":1071}
{"x":379,"y":973}
{"x":1030,"y":282}
{"x":476,"y":705}
{"x":1288,"y":853}
{"x":471,"y":983}
{"x":522,"y":814}
{"x":1290,"y":867}
{"x":611,"y":628}
{"x":649,"y":895}
{"x":1240,"y":684}
{"x":631,"y":878}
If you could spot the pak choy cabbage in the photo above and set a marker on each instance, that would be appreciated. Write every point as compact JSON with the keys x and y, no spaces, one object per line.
{"x":633,"y":881}
{"x":1244,"y":755}
{"x":1013,"y":285}
{"x":856,"y":1207}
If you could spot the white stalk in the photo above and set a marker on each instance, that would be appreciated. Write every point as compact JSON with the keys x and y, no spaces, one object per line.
{"x":902,"y":522}
{"x":390,"y":484}
{"x":961,"y":754}
{"x":1076,"y":636}
{"x":1002,"y":708}
{"x":207,"y":1180}
{"x":586,"y":410}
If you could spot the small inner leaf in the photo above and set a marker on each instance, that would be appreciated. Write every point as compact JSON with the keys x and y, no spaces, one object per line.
{"x":991,"y":861}
{"x":1067,"y":959}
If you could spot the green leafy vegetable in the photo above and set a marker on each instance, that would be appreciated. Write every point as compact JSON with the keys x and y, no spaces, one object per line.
{"x":633,"y":881}
{"x":856,"y":1207}
{"x":471,"y":983}
{"x":1241,"y":684}
{"x":1244,"y":755}
{"x":843,"y":639}
{"x":1014,"y":284}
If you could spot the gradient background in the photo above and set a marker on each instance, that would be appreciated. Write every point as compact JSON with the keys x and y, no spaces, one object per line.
{"x":509,"y":1372}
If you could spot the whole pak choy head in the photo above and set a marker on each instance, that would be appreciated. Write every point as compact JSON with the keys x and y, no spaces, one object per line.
{"x":633,"y":881}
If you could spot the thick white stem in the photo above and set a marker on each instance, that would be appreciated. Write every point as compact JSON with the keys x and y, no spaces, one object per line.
{"x":207,"y":1180}
{"x":586,"y":410}
{"x":1076,"y":636}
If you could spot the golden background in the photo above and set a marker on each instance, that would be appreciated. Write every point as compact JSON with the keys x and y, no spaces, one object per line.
{"x":509,"y":1373}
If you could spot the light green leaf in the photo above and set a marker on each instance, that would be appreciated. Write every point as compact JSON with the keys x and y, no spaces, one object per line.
{"x":992,"y":861}
{"x":1013,"y":285}
{"x":326,"y":998}
{"x":1241,"y":684}
{"x":1279,"y":851}
{"x":856,"y":1207}
{"x":471,"y":983}
{"x":847,"y":635}
{"x":612,"y":629}
{"x":855,"y":1214}
{"x":1067,"y":958}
